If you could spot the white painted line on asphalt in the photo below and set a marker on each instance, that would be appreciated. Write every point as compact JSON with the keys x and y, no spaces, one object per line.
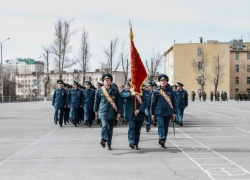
{"x":194,"y":115}
{"x":213,"y":164}
{"x":27,"y":147}
{"x":211,"y":112}
{"x":214,"y":151}
{"x":191,"y":159}
{"x":216,"y":117}
{"x":225,"y":171}
{"x":217,"y":167}
{"x":218,"y":128}
{"x":248,"y":131}
{"x":194,"y":149}
{"x":209,"y":158}
{"x":240,"y":129}
{"x":199,"y":129}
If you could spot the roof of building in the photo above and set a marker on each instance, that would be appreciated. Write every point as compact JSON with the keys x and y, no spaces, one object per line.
{"x":28,"y":61}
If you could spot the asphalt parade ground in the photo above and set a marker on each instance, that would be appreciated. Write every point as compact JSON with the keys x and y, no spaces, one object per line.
{"x":214,"y":143}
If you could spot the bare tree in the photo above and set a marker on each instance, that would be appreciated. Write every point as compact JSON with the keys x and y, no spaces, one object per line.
{"x":61,"y":47}
{"x":200,"y":66}
{"x":153,"y":64}
{"x":218,"y":72}
{"x":124,"y":62}
{"x":46,"y":80}
{"x":110,"y":65}
{"x":9,"y":83}
{"x":84,"y":54}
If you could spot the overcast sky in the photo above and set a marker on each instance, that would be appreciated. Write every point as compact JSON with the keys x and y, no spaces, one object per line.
{"x":156,"y":24}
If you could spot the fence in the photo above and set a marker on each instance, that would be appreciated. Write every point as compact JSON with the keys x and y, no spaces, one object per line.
{"x":11,"y":99}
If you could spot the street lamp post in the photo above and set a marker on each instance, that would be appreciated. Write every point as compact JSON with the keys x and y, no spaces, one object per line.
{"x":37,"y":79}
{"x":2,"y":68}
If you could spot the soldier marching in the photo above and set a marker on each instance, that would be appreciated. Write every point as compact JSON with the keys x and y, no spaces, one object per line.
{"x":157,"y":105}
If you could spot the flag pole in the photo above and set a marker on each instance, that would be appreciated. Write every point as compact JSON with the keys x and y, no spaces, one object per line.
{"x":130,"y":25}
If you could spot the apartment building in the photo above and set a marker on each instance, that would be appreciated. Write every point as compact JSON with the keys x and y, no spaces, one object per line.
{"x":234,"y":56}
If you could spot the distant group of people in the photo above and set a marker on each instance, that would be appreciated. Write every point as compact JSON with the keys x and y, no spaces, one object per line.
{"x":155,"y":104}
{"x":242,"y":96}
{"x":217,"y":96}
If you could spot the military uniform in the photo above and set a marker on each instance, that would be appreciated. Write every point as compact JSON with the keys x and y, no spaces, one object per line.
{"x":59,"y":101}
{"x":81,"y":110}
{"x":88,"y":104}
{"x":134,"y":121}
{"x":75,"y":102}
{"x":211,"y":96}
{"x":106,"y":112}
{"x":161,"y":109}
{"x":148,"y":94}
{"x":218,"y":95}
{"x":99,"y":85}
{"x":182,"y":103}
{"x":193,"y":95}
{"x":204,"y":96}
{"x":66,"y":109}
{"x":199,"y":96}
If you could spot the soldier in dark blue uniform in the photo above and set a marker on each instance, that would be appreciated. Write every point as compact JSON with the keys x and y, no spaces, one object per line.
{"x":88,"y":103}
{"x":66,"y":109}
{"x":127,"y":87}
{"x":182,"y":101}
{"x":99,"y":85}
{"x":59,"y":101}
{"x":163,"y":107}
{"x":148,"y":94}
{"x":74,"y":102}
{"x":134,"y":116}
{"x":81,"y":110}
{"x":107,"y":112}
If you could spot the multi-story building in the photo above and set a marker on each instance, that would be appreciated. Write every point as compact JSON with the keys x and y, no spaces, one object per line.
{"x":24,"y":66}
{"x":30,"y":84}
{"x":234,"y":58}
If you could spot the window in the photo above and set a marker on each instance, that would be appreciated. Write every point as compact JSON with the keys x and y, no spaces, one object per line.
{"x":237,"y":68}
{"x":248,"y":68}
{"x":248,"y":56}
{"x":200,"y":65}
{"x":199,"y":79}
{"x":236,"y":90}
{"x":237,"y":80}
{"x":248,"y":80}
{"x":237,"y":56}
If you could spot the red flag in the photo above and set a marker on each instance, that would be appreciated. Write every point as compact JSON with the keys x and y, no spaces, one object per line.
{"x":138,"y":71}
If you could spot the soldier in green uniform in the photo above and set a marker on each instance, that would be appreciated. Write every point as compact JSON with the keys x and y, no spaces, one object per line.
{"x":211,"y":96}
{"x":218,"y":95}
{"x":246,"y":96}
{"x":225,"y":96}
{"x":242,"y":96}
{"x":193,"y":95}
{"x":108,"y":106}
{"x":199,"y":96}
{"x":222,"y":96}
{"x":204,"y":96}
{"x":215,"y":96}
{"x":237,"y":96}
